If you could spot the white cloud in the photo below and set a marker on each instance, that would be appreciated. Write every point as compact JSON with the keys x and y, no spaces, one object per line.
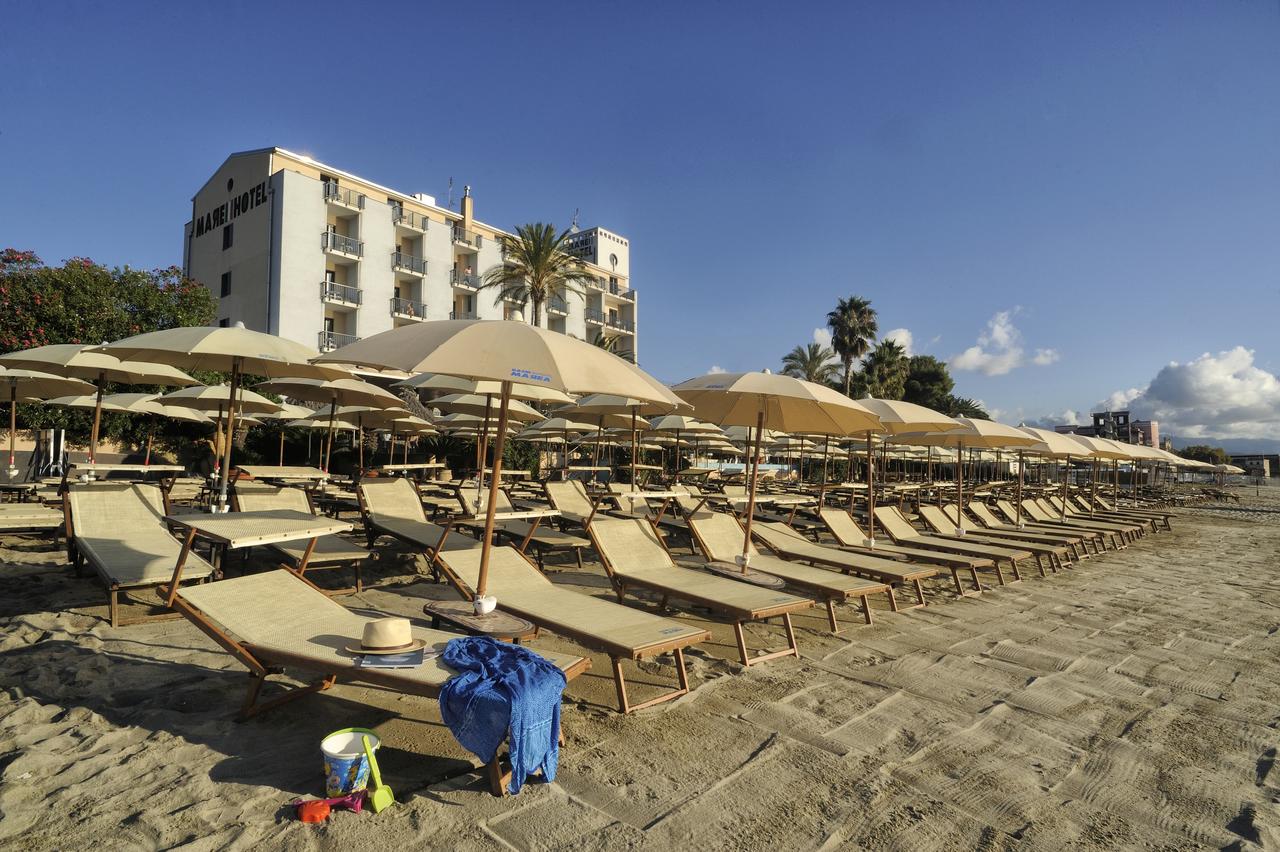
{"x":716,"y":368}
{"x":1118,"y":400}
{"x":1214,"y":396}
{"x":822,"y":337}
{"x":1045,"y":357}
{"x":902,"y":337}
{"x":999,"y":349}
{"x":1066,"y":417}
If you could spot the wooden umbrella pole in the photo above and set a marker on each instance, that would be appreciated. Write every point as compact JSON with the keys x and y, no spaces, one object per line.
{"x":822,"y":487}
{"x":328,"y":444}
{"x":1017,"y":510}
{"x":675,"y":453}
{"x":1066,"y":471}
{"x":231,"y":426}
{"x":960,"y":487}
{"x":13,"y":420}
{"x":391,"y":452}
{"x":482,"y":441}
{"x":486,"y":546}
{"x":407,"y":438}
{"x":97,"y":418}
{"x":635,"y":448}
{"x":871,"y":493}
{"x":360,"y":444}
{"x":751,"y":494}
{"x":282,"y":428}
{"x":151,"y":428}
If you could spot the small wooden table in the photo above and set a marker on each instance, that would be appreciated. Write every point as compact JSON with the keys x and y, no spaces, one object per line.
{"x":733,"y":572}
{"x":499,"y":625}
{"x":291,"y":473}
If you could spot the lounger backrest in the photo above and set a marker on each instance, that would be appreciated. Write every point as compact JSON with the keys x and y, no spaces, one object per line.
{"x":1102,"y":503}
{"x":630,"y":546}
{"x":843,"y":526}
{"x":110,"y":511}
{"x":270,"y":499}
{"x":894,"y":523}
{"x":782,"y":537}
{"x":635,"y":508}
{"x":952,"y":511}
{"x":569,"y":498}
{"x":720,"y":535}
{"x":392,"y":498}
{"x":509,"y":571}
{"x":1036,"y":511}
{"x":469,"y":498}
{"x":1009,"y":511}
{"x":937,"y":520}
{"x":984,"y":514}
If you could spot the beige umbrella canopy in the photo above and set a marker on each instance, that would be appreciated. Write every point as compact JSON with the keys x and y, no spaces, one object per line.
{"x":508,"y":352}
{"x":478,"y":406}
{"x":334,"y":392}
{"x":30,"y":385}
{"x":218,"y":398}
{"x":80,"y":361}
{"x":769,"y":401}
{"x":607,"y":405}
{"x":233,"y":349}
{"x":454,"y":384}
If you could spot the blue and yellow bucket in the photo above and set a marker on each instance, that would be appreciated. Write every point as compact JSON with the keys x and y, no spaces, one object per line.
{"x":346,"y":769}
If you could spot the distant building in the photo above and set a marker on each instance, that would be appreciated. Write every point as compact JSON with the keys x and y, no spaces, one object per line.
{"x":307,"y":251}
{"x":1118,"y":426}
{"x":1258,"y":464}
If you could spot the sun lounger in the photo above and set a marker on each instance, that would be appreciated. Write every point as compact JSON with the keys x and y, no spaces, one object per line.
{"x":1135,"y":511}
{"x":943,"y":524}
{"x":330,"y":551}
{"x":391,"y":507}
{"x":120,"y":531}
{"x":1120,"y":534}
{"x":542,"y":537}
{"x":790,"y":544}
{"x":1026,"y":520}
{"x":1133,"y":529}
{"x":991,"y":526}
{"x":851,"y":537}
{"x":619,"y":631}
{"x":276,"y":619}
{"x":892,"y":521}
{"x":30,"y":517}
{"x":1091,"y":510}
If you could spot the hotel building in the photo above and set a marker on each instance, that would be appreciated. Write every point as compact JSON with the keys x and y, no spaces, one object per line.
{"x":300,"y":249}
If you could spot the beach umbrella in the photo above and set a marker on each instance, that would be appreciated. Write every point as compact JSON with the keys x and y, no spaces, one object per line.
{"x":602,"y":405}
{"x":286,"y":412}
{"x":510,"y":352}
{"x":482,"y":405}
{"x":456,"y":384}
{"x":132,"y":403}
{"x":217,"y":398}
{"x":1103,"y":449}
{"x":394,"y":421}
{"x":679,"y":424}
{"x":31,"y":386}
{"x":334,"y":392}
{"x":80,"y":361}
{"x":233,"y":349}
{"x":769,"y":401}
{"x":971,"y":433}
{"x":1059,"y":446}
{"x":561,"y":427}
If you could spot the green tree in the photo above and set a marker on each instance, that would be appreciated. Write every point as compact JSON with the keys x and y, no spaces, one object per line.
{"x":612,"y":343}
{"x":886,"y":369}
{"x":813,"y":363}
{"x":1205,"y":453}
{"x":536,"y":266}
{"x":853,"y":326}
{"x":963,"y":406}
{"x":928,"y":382}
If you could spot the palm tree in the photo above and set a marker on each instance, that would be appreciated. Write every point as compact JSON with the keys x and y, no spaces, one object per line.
{"x":813,"y":363}
{"x":535,"y":267}
{"x":853,"y":327}
{"x":962,"y":406}
{"x":886,"y":370}
{"x":609,"y":343}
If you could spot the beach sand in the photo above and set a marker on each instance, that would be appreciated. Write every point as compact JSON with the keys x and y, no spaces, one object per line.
{"x":1132,"y":701}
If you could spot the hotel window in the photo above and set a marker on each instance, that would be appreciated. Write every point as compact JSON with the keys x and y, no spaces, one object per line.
{"x":226,"y":284}
{"x":227,"y":236}
{"x":224,"y":323}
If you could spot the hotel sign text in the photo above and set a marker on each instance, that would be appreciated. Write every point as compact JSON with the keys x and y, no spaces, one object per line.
{"x":229,"y":210}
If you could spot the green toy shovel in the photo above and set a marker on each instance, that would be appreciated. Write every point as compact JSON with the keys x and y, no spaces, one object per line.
{"x":380,"y":795}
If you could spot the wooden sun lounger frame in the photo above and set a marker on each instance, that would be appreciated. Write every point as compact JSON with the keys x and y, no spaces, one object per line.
{"x":263,"y":664}
{"x":933,"y":542}
{"x":354,"y":564}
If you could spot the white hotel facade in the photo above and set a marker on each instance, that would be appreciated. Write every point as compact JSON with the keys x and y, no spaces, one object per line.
{"x":299,"y":249}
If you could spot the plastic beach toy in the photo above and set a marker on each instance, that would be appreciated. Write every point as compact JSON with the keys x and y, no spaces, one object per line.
{"x":380,"y":796}
{"x":317,"y":810}
{"x":346,"y":769}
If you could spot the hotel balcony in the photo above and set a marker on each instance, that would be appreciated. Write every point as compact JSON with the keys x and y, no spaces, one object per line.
{"x":339,"y":294}
{"x":331,"y":340}
{"x":464,"y":315}
{"x":340,"y":245}
{"x":598,"y":283}
{"x":409,"y":264}
{"x":338,"y":196}
{"x":468,"y":240}
{"x":594,"y":316}
{"x":408,"y":309}
{"x":408,"y":220}
{"x":622,"y":292}
{"x":557,"y":305}
{"x":620,"y":324}
{"x":463,"y":280}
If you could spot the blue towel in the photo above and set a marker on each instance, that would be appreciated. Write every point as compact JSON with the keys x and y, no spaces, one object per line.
{"x":503,"y":691}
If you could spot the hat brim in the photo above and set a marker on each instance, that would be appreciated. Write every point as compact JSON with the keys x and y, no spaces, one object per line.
{"x":415,"y":645}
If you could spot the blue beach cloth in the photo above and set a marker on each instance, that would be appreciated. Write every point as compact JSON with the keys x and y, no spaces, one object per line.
{"x":502,"y":689}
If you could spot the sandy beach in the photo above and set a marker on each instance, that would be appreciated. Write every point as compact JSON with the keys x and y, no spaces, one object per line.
{"x":1128,"y":702}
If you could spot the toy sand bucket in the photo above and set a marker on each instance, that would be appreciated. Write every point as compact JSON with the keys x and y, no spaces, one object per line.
{"x":346,"y":769}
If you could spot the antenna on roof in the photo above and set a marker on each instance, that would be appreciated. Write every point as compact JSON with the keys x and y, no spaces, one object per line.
{"x":573,"y":224}
{"x":448,"y":205}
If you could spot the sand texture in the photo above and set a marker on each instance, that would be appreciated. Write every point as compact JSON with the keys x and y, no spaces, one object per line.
{"x":1130,"y":702}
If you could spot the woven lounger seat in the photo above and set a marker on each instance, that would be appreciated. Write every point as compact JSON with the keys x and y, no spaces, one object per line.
{"x":277,"y":619}
{"x":121,"y":532}
{"x":330,"y":551}
{"x":990,"y":526}
{"x":619,"y":631}
{"x":893,"y":522}
{"x":1044,"y":513}
{"x":392,"y":507}
{"x":1026,"y":520}
{"x":1132,"y":528}
{"x":544,"y":537}
{"x":942,"y":524}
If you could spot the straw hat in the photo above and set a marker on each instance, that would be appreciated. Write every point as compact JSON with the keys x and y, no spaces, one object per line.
{"x":387,"y":636}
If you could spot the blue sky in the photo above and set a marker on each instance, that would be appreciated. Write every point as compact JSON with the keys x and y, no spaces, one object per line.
{"x":1090,"y":185}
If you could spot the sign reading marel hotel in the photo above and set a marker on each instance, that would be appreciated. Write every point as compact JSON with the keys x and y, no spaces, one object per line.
{"x":229,"y":210}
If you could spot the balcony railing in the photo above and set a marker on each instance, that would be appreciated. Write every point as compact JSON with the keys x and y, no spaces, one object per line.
{"x":594,"y":316}
{"x":598,"y":283}
{"x":343,"y":294}
{"x":331,"y":241}
{"x":462,"y":236}
{"x":558,"y":305}
{"x":621,"y":324}
{"x":331,"y":340}
{"x":463,"y":279}
{"x":622,"y":292}
{"x":335,"y":194}
{"x":408,"y":263}
{"x":409,"y":219}
{"x":455,"y":315}
{"x":408,"y":308}
{"x":629,"y":295}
